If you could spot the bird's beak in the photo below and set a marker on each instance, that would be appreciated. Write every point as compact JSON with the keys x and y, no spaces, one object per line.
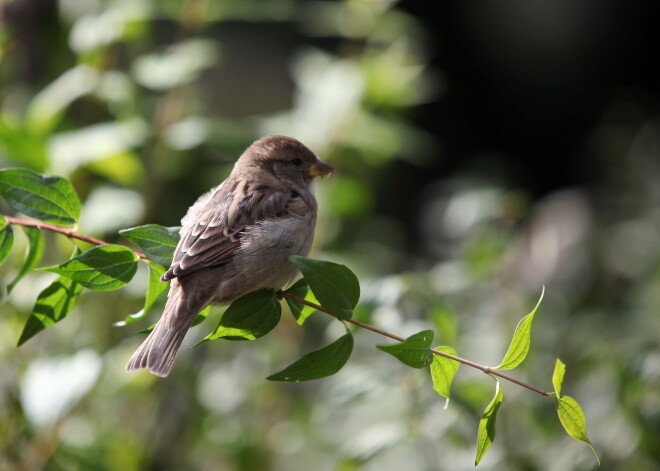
{"x":319,"y":168}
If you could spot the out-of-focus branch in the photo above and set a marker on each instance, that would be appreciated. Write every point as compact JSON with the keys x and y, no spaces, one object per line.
{"x":70,"y":233}
{"x":485,"y":369}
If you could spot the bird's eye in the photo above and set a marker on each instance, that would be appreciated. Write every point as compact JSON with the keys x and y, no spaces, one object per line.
{"x":297,"y":162}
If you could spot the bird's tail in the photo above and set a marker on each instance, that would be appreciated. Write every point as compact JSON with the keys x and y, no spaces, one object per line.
{"x":158,"y":351}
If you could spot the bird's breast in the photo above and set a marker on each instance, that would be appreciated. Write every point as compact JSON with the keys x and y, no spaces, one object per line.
{"x":274,"y":239}
{"x":261,"y":262}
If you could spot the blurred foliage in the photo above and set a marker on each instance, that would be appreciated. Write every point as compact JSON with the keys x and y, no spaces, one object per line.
{"x":145,"y":105}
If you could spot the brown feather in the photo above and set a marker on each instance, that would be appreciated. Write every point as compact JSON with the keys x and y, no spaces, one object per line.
{"x":236,"y":239}
{"x":214,"y":239}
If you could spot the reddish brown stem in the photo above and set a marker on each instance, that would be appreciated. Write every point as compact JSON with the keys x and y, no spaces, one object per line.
{"x":61,"y":230}
{"x":485,"y":369}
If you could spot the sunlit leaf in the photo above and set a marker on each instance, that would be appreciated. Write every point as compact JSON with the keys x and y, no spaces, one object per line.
{"x":414,"y":351}
{"x":110,"y":208}
{"x":300,"y":290}
{"x":157,"y":242}
{"x":102,"y":268}
{"x":383,"y":137}
{"x":178,"y":65}
{"x":52,"y":385}
{"x":573,"y":420}
{"x":486,"y":433}
{"x":22,"y":147}
{"x":72,"y":149}
{"x":53,"y":304}
{"x":190,"y":132}
{"x":393,"y":79}
{"x":320,"y":363}
{"x":6,"y":238}
{"x":47,"y":198}
{"x":301,"y":311}
{"x":155,"y":288}
{"x":35,"y":250}
{"x":444,"y":321}
{"x":558,"y":376}
{"x":351,"y":197}
{"x":249,"y":317}
{"x":335,"y":286}
{"x":124,"y":168}
{"x":443,"y":371}
{"x":201,"y":317}
{"x":48,"y":106}
{"x":143,"y":331}
{"x":97,"y":30}
{"x":521,"y":340}
{"x":133,"y":318}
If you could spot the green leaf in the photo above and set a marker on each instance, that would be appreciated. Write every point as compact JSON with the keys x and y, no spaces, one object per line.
{"x":443,"y":371}
{"x":129,"y":319}
{"x":414,"y":351}
{"x":444,"y":322}
{"x":300,"y":290}
{"x":72,"y":148}
{"x":573,"y":420}
{"x":301,"y":311}
{"x":335,"y":286}
{"x":521,"y":340}
{"x":320,"y":363}
{"x":35,"y":250}
{"x":47,"y":198}
{"x":180,"y":64}
{"x":101,"y":268}
{"x":486,"y":433}
{"x":558,"y":376}
{"x":53,"y":304}
{"x":155,"y":288}
{"x":48,"y":107}
{"x":145,"y":331}
{"x":6,"y":238}
{"x":201,"y":317}
{"x":249,"y":317}
{"x":22,"y":147}
{"x":157,"y":242}
{"x":124,"y":168}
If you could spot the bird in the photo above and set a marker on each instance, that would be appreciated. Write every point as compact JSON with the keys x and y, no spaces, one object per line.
{"x":235,"y":239}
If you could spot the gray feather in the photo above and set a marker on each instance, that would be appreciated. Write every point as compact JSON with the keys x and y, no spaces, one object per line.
{"x":235,"y":239}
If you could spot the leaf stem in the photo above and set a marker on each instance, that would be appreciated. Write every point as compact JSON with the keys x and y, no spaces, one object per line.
{"x":70,"y":233}
{"x":280,"y":294}
{"x":485,"y":369}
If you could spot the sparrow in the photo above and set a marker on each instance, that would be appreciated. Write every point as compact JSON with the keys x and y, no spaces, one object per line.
{"x":235,"y":240}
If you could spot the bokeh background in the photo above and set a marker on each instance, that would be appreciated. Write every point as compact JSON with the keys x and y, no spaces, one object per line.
{"x":484,"y":149}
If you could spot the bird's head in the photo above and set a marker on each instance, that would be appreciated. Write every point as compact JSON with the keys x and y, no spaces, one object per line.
{"x":287,"y":159}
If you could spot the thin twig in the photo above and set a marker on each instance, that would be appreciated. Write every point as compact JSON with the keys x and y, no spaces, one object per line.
{"x":280,"y":294}
{"x":71,"y":234}
{"x":485,"y":369}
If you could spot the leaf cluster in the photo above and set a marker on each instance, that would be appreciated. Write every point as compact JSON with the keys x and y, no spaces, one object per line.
{"x":328,"y":287}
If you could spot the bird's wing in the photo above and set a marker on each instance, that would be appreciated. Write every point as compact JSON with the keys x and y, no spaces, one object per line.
{"x":214,"y":236}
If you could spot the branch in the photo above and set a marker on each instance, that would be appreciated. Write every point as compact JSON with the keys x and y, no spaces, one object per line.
{"x":70,"y":233}
{"x":280,"y":294}
{"x":485,"y":369}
